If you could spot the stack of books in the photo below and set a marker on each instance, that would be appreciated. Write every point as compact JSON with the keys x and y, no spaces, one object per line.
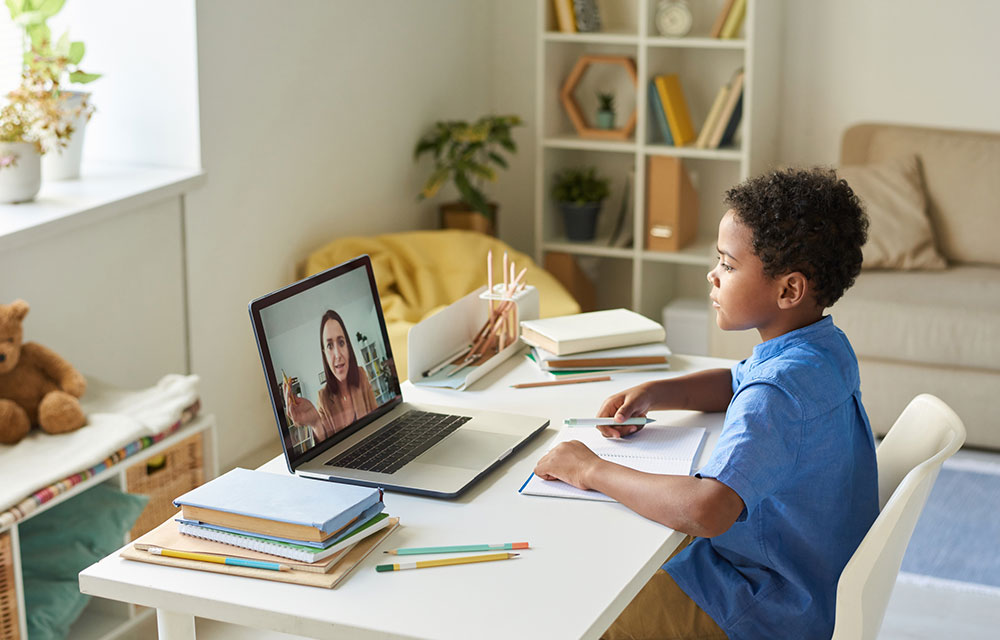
{"x":669,"y":110}
{"x":607,"y":340}
{"x":299,"y":524}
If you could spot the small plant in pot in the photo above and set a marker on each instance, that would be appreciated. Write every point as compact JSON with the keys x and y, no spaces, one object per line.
{"x":605,"y":110}
{"x":52,"y":65}
{"x":579,"y":193}
{"x":466,"y":153}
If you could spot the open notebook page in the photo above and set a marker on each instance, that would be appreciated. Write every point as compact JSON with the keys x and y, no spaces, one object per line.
{"x":654,"y":449}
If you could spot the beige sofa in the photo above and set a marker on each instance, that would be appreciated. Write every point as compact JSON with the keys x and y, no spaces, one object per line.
{"x":934,"y":331}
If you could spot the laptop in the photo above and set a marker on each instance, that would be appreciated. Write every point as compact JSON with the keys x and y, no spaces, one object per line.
{"x":337,"y":400}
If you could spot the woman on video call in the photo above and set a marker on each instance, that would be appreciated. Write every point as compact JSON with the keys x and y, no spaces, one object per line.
{"x":347,"y":394}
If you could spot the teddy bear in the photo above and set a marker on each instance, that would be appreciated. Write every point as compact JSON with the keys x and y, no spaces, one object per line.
{"x":37,"y":386}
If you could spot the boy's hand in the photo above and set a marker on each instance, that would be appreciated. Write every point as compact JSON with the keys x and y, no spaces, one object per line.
{"x":631,"y":403}
{"x":570,"y":462}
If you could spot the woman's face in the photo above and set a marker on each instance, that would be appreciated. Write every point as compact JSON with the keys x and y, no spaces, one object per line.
{"x":335,"y":348}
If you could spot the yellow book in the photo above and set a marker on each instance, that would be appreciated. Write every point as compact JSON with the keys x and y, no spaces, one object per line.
{"x":712,"y":118}
{"x":672,"y":97}
{"x":565,"y":16}
{"x":734,"y":21}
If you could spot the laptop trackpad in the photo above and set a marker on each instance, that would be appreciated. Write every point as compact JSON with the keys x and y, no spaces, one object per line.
{"x":469,"y":449}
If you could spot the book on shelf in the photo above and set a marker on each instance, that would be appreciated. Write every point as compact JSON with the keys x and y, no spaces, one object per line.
{"x":326,"y":573}
{"x":623,"y":232}
{"x":712,"y":118}
{"x":655,"y":448}
{"x":279,"y":505}
{"x":652,"y":355}
{"x":285,"y":548}
{"x":678,"y":118}
{"x":671,"y":205}
{"x":565,"y":15}
{"x":734,"y":20}
{"x":657,"y":114}
{"x":729,"y":116}
{"x":720,"y":19}
{"x":564,"y":335}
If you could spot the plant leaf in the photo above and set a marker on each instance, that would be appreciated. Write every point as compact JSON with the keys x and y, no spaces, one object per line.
{"x":83,"y":78}
{"x":76,"y":51}
{"x":16,"y":7}
{"x":434,"y":183}
{"x":49,"y":8}
{"x":471,"y":195}
{"x":62,"y":46}
{"x":497,"y":158}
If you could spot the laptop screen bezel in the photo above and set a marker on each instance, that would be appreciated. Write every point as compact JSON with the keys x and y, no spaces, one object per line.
{"x":292,"y":459}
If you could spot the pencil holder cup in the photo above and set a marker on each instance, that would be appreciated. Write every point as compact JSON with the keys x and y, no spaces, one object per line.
{"x":525,"y":305}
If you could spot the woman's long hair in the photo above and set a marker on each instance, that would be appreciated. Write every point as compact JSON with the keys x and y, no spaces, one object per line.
{"x":332,"y":386}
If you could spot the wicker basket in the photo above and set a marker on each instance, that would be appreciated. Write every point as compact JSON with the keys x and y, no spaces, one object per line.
{"x":163,"y":478}
{"x":9,"y":627}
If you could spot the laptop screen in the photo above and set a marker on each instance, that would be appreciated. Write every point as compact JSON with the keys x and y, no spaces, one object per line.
{"x":326,"y":357}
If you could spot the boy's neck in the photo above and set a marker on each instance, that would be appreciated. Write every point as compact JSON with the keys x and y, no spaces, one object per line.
{"x":789,"y":320}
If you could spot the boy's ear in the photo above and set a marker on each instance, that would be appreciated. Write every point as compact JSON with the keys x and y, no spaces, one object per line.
{"x":793,"y":290}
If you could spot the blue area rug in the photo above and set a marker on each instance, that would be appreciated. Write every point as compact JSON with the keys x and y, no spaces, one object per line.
{"x":958,"y":535}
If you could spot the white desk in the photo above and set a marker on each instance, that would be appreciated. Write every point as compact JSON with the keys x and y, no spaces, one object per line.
{"x":587,"y":559}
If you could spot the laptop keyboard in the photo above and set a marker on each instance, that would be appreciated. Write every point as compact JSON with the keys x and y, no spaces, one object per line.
{"x":399,"y":442}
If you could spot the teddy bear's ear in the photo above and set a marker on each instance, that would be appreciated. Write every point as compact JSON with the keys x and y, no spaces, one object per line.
{"x":19,"y":309}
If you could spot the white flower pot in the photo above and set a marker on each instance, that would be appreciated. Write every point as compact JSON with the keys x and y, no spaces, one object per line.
{"x":64,"y":164}
{"x":21,"y":179}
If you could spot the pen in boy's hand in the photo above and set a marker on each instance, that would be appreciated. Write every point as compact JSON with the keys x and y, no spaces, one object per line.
{"x":609,"y":422}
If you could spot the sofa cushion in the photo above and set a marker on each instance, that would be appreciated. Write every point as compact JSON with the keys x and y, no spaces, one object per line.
{"x":960,"y":172}
{"x":899,"y":232}
{"x":949,"y":318}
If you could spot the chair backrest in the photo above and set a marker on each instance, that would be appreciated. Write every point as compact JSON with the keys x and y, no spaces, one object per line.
{"x":909,"y":458}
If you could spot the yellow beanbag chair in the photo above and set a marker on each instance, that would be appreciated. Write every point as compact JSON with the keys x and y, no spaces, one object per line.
{"x":419,"y":272}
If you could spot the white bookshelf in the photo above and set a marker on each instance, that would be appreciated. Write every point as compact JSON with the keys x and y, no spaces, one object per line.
{"x":635,"y":277}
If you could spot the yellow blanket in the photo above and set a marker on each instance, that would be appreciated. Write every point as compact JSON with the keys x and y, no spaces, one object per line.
{"x":420,"y":272}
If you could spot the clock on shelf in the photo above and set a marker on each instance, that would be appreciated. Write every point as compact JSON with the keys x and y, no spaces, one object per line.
{"x":673,"y":18}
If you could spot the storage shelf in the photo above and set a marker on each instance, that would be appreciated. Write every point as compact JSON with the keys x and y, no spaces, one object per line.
{"x":576,"y":142}
{"x":587,"y":248}
{"x":604,"y":37}
{"x":94,"y":624}
{"x":702,"y":253}
{"x":730,"y":154}
{"x":696,"y":43}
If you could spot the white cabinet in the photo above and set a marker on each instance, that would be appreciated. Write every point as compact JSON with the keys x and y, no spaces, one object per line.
{"x":632,"y":276}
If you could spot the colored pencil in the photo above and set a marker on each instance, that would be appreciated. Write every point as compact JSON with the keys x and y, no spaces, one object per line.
{"x":410,"y":551}
{"x":424,"y":564}
{"x":552,"y":383}
{"x":204,"y":557}
{"x":610,"y":422}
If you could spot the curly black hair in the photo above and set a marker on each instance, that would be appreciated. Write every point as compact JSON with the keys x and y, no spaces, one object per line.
{"x":804,"y":220}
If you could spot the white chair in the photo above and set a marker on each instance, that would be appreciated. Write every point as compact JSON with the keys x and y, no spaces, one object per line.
{"x":909,"y":458}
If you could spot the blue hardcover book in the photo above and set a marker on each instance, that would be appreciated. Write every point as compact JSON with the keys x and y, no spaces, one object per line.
{"x":363,"y":519}
{"x":657,"y":113}
{"x":283,"y":505}
{"x":734,"y":121}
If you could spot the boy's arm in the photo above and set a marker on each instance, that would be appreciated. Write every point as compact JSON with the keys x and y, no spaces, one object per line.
{"x":702,"y":507}
{"x":709,"y":390}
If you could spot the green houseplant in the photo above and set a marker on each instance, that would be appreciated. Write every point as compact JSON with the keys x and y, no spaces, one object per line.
{"x":468,"y":155}
{"x":52,"y":65}
{"x":579,"y":194}
{"x":605,"y":110}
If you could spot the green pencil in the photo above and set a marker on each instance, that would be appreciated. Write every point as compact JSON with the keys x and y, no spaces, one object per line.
{"x":457,"y":548}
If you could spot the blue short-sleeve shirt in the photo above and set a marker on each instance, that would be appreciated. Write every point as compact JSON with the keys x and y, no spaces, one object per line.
{"x":798,"y":449}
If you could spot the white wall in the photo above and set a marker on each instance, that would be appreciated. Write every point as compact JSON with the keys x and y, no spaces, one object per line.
{"x":309,"y":115}
{"x":921,"y":62}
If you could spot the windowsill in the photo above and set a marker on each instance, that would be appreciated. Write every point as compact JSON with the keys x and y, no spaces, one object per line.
{"x":102,"y":192}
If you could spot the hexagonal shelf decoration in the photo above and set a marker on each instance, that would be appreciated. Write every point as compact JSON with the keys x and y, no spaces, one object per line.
{"x":583,"y":128}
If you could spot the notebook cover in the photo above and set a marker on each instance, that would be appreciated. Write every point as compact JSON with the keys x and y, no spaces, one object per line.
{"x":326,"y":506}
{"x":607,"y":329}
{"x":327,"y":580}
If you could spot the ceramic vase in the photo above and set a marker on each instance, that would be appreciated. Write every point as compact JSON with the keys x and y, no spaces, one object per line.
{"x":580,"y":220}
{"x":605,"y":119}
{"x":64,"y":164}
{"x":20,"y":172}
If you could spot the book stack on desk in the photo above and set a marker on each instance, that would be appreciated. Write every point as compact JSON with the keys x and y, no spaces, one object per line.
{"x":316,"y":531}
{"x":608,"y":340}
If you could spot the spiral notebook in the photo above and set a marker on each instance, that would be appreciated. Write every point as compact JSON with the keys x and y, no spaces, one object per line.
{"x":654,"y":449}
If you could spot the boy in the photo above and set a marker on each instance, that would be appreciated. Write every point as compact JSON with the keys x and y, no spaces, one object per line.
{"x":790,"y":489}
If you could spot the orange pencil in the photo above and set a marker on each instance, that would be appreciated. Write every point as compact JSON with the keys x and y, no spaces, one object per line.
{"x":552,"y":383}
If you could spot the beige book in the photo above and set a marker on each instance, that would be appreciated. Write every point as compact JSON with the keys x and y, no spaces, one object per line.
{"x":735,"y":91}
{"x":580,"y":332}
{"x":712,"y":118}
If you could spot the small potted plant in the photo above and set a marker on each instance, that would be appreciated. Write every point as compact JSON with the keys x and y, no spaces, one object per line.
{"x":467,"y":154}
{"x":20,"y":155}
{"x":579,"y":193}
{"x":605,"y":110}
{"x":53,"y":65}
